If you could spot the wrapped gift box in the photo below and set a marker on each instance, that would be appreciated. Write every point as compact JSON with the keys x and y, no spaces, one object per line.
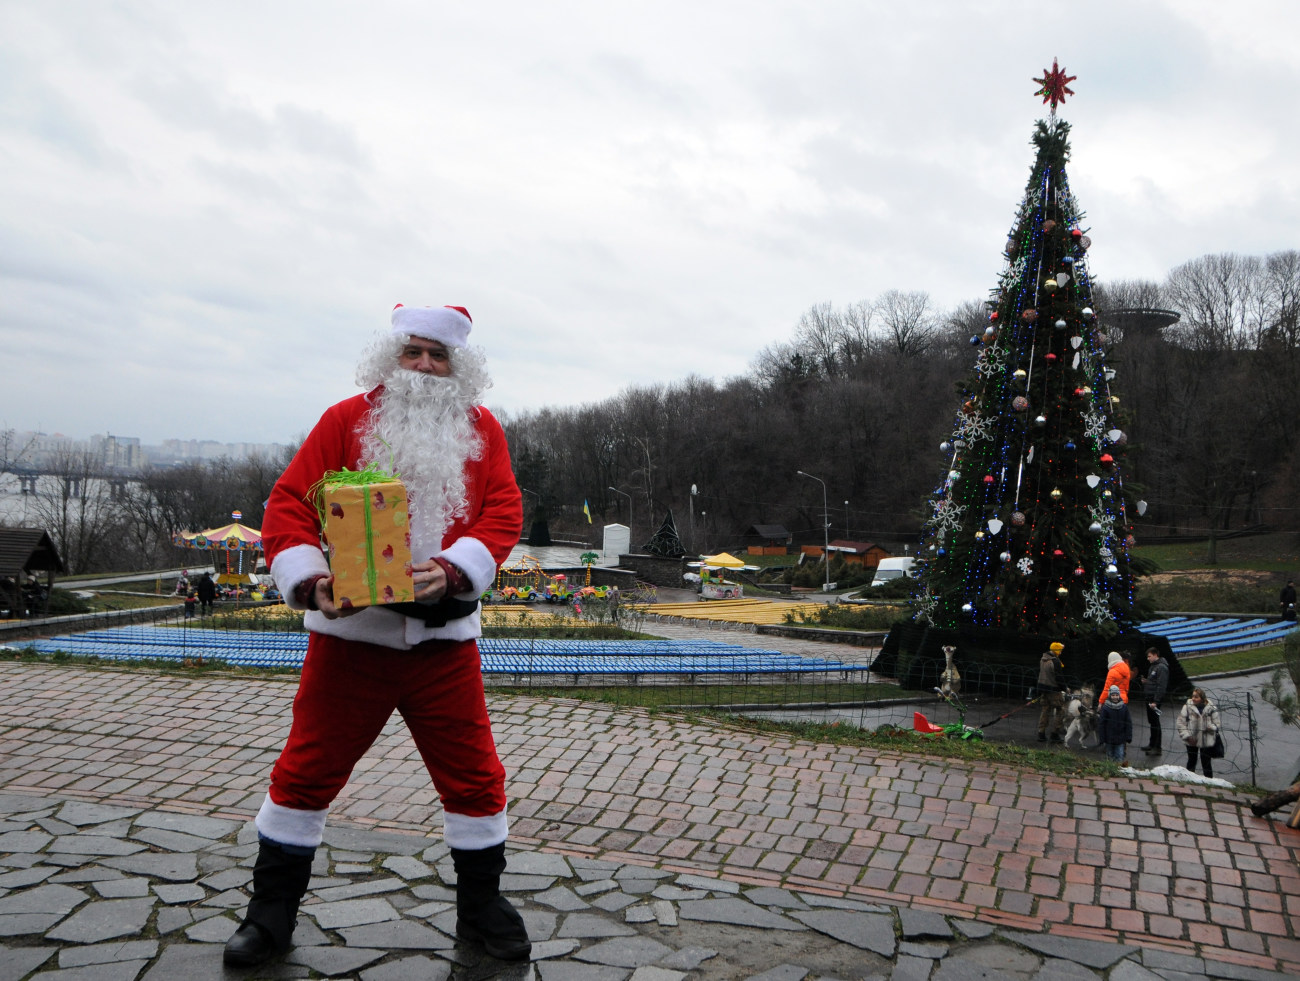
{"x":366,"y":527}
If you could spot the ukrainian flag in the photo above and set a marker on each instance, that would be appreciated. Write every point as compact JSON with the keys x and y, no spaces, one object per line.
{"x":586,"y":510}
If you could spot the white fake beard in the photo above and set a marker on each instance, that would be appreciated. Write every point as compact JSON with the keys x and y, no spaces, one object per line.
{"x":421,"y":427}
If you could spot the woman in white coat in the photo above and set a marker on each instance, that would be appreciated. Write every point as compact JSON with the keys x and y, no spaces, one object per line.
{"x":1198,"y":728}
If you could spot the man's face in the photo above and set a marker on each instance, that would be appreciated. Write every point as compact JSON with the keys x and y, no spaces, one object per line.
{"x":1152,"y":657}
{"x":425,"y":356}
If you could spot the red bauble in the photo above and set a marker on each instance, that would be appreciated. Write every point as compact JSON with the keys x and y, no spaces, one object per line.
{"x":1107,"y":460}
{"x":988,"y":478}
{"x":1057,"y":552}
{"x":1075,"y":232}
{"x":1051,"y":358}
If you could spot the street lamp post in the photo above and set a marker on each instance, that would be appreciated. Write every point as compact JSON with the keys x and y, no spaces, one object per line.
{"x":629,"y":504}
{"x":826,"y":531}
{"x":694,"y":492}
{"x":847,"y":533}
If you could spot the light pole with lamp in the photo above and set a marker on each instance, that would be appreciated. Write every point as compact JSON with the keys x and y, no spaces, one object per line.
{"x":846,"y":521}
{"x":629,"y":504}
{"x":694,"y":492}
{"x":826,"y":531}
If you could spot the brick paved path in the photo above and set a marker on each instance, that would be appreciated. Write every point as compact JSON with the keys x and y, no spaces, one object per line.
{"x":1179,"y":869}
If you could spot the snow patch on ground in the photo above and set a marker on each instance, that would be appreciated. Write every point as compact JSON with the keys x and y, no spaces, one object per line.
{"x":1170,"y":771}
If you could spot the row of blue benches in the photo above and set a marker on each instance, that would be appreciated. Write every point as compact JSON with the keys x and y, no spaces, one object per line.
{"x":1200,"y":635}
{"x":750,"y":662}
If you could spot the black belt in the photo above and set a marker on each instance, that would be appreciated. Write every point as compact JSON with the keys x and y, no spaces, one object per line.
{"x":434,"y":614}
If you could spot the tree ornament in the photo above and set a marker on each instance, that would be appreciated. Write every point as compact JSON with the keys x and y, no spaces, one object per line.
{"x":1095,"y":528}
{"x":1085,"y":242}
{"x":1057,"y":553}
{"x":1107,"y":494}
{"x":1011,"y":247}
{"x":1062,"y":278}
{"x":1106,"y":460}
{"x":995,"y":525}
{"x":1087,"y":313}
{"x":966,"y":608}
{"x":945,"y":447}
{"x":1020,"y":403}
{"x":1049,"y":225}
{"x":1114,"y":400}
{"x":1112,"y":569}
{"x":979,"y":535}
{"x":974,"y":340}
{"x":1069,"y":259}
{"x":1005,"y":556}
{"x":1062,"y":592}
{"x":1020,"y":375}
{"x":941,"y":551}
{"x":1050,"y":358}
{"x":954,"y":475}
{"x":1142,"y":508}
{"x":988,"y":478}
{"x":1076,"y":234}
{"x":1049,"y":285}
{"x":1079,"y":572}
{"x":1056,"y":494}
{"x":1017,"y":518}
{"x":993,"y":315}
{"x":1130,"y":541}
{"x":1040,"y":420}
{"x":989,"y":333}
{"x":1070,"y":445}
{"x":1029,"y":316}
{"x":1060,"y":325}
{"x":1025,"y":565}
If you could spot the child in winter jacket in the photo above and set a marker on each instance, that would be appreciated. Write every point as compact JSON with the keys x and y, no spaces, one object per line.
{"x":1114,"y":725}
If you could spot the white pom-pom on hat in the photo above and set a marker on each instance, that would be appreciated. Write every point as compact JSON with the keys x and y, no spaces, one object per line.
{"x":450,"y":325}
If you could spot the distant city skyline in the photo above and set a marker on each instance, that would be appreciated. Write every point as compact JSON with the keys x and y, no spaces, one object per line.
{"x":34,"y":448}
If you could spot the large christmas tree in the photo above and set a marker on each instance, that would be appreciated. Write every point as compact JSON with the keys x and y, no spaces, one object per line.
{"x":1029,"y":533}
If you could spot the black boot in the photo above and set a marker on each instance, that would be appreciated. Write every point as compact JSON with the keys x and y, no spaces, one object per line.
{"x":279,"y":882}
{"x":482,"y":913}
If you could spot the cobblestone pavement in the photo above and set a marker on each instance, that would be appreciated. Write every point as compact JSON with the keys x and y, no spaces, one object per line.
{"x":645,"y":843}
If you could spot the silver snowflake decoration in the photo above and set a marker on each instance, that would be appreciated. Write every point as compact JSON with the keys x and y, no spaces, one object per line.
{"x":925,"y":606}
{"x":947,"y":515}
{"x":974,"y":427}
{"x":1025,"y":565}
{"x":1094,"y":605}
{"x":991,"y":361}
{"x":1106,"y":521}
{"x":1094,"y":424}
{"x":1014,"y":272}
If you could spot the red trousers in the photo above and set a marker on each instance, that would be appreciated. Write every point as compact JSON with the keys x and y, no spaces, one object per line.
{"x":348,"y":693}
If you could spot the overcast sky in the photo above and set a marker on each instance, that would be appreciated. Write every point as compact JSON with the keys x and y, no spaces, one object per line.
{"x":207,"y":208}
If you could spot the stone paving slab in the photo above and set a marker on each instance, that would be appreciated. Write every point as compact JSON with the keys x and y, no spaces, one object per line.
{"x":672,"y":811}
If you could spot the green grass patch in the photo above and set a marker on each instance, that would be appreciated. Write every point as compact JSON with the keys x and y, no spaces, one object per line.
{"x":1256,"y":657}
{"x":1279,"y":552}
{"x":706,"y":696}
{"x":1185,"y":596}
{"x":843,"y":616}
{"x":890,"y":737}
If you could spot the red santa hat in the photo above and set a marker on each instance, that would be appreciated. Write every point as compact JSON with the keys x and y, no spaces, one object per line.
{"x":450,"y":325}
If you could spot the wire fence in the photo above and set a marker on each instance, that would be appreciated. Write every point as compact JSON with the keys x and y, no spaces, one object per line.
{"x":542,"y":652}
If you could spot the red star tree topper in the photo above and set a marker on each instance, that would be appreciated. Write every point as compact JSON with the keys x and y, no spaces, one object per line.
{"x":1055,"y":85}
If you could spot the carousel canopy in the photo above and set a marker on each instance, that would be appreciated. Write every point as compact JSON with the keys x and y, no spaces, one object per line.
{"x":723,"y":560}
{"x":233,"y":536}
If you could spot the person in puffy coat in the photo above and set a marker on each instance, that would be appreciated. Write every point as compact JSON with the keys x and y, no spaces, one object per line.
{"x":1198,"y":728}
{"x":1114,"y":725}
{"x":1118,"y":674}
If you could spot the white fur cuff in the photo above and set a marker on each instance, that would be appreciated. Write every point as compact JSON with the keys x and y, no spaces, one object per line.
{"x":289,"y":826}
{"x":295,"y":564}
{"x":473,"y":833}
{"x":471,"y":557}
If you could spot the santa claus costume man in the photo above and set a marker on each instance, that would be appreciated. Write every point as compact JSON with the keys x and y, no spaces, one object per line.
{"x":420,"y":416}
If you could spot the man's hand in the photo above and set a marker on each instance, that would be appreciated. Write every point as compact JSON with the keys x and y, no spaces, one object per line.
{"x":324,"y":595}
{"x":429,"y":580}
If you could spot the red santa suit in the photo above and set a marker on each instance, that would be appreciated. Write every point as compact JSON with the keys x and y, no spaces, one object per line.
{"x":359,"y":668}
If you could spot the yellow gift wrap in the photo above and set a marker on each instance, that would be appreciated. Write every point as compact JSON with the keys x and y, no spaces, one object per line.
{"x":364,"y":522}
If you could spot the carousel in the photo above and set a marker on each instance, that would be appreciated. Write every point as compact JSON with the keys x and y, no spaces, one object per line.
{"x":712,"y":576}
{"x":234,"y":549}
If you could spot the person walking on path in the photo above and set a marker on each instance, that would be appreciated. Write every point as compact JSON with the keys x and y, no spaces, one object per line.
{"x":421,"y":416}
{"x":1118,"y":674}
{"x":1156,"y":687}
{"x":207,"y":592}
{"x":1198,"y":728}
{"x":1050,"y":686}
{"x":1288,"y":600}
{"x":1114,"y":725}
